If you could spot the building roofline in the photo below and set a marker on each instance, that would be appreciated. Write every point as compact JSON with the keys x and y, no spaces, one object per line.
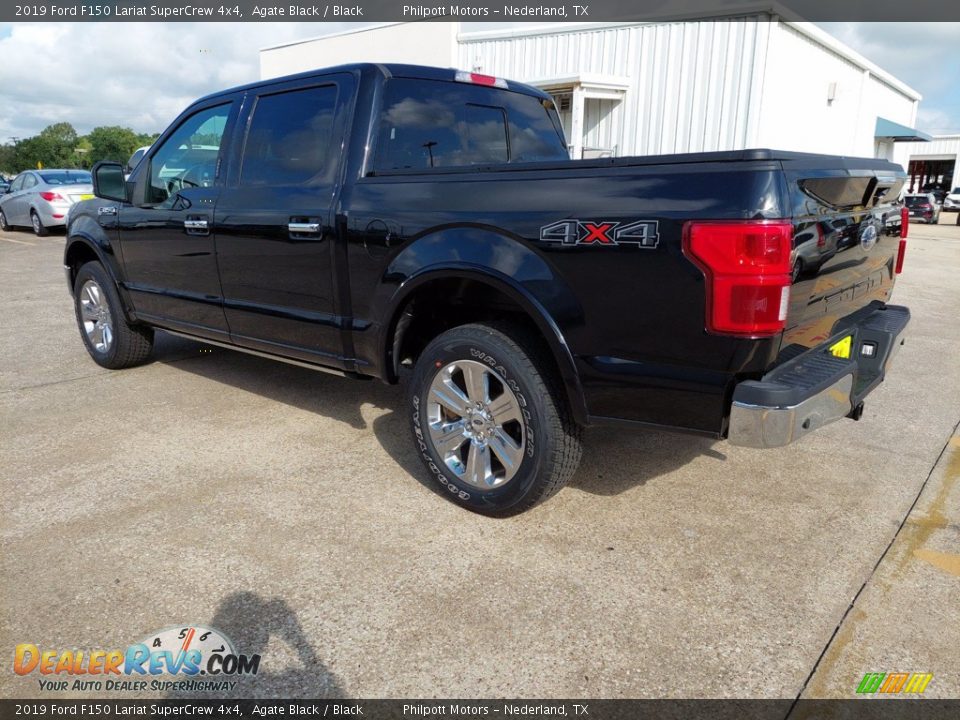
{"x":339,"y":33}
{"x":821,"y":36}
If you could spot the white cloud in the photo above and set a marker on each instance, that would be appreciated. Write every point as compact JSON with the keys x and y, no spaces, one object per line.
{"x":139,"y":75}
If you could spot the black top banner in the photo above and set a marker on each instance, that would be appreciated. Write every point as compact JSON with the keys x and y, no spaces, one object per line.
{"x":374,"y":11}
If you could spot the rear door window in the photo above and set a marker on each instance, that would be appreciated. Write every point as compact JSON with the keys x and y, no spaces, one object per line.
{"x":290,"y":138}
{"x":429,"y":124}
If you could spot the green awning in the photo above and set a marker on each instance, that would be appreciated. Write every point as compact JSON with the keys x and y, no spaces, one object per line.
{"x":889,"y":130}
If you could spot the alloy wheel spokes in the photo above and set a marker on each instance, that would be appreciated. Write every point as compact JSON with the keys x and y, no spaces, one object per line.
{"x":475,"y":423}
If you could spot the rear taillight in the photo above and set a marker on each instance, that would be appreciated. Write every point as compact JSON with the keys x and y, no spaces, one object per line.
{"x":821,"y":238}
{"x":926,"y":206}
{"x":901,"y":251}
{"x":904,"y":221}
{"x":746,"y":265}
{"x":51,"y":196}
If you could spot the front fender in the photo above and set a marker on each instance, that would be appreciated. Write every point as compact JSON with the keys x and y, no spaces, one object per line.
{"x":505,"y":263}
{"x":87,"y":239}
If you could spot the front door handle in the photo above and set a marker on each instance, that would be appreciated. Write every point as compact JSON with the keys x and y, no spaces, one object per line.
{"x":196,"y":225}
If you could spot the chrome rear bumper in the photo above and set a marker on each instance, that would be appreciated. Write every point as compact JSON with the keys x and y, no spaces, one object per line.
{"x":816,"y":388}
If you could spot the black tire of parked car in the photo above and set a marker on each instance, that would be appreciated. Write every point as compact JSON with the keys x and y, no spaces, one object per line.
{"x":132,"y":344}
{"x":4,"y":225}
{"x":38,"y":227}
{"x":552,"y":449}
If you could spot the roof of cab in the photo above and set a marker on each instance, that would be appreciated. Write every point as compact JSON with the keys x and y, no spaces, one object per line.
{"x":387,"y":70}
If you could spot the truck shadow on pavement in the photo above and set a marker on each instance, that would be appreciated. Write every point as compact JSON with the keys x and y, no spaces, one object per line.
{"x":614,"y":459}
{"x":250,"y":621}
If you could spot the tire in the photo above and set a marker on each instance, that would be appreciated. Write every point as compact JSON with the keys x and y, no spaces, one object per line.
{"x":4,"y":225}
{"x":111,"y":341}
{"x":797,"y":270}
{"x":38,"y":227}
{"x":520,"y":448}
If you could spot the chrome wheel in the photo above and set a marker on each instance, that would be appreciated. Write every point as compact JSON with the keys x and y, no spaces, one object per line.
{"x":476,"y":424}
{"x":95,"y":316}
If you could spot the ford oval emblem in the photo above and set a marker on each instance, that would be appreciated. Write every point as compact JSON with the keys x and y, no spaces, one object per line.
{"x":868,"y":236}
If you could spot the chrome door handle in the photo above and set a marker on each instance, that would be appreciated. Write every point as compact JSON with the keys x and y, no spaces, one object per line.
{"x":195,"y":224}
{"x":304,"y":228}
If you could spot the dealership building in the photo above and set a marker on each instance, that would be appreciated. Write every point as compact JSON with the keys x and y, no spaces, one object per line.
{"x":660,"y":87}
{"x":930,"y":163}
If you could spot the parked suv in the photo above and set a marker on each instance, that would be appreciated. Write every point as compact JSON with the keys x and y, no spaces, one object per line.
{"x":923,"y":207}
{"x":388,"y":220}
{"x":952,"y":201}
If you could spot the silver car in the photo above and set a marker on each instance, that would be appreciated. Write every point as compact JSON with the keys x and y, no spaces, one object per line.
{"x":42,"y":199}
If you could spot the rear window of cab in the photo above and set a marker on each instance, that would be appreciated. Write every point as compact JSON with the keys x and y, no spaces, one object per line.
{"x":428,"y":124}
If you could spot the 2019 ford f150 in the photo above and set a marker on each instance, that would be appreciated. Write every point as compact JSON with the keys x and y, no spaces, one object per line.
{"x":369,"y":218}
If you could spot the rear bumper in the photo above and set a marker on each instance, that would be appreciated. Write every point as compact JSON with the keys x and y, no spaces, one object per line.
{"x":815,"y":388}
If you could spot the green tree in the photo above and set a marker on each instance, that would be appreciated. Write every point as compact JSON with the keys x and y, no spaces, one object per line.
{"x":112,"y":143}
{"x":53,"y":147}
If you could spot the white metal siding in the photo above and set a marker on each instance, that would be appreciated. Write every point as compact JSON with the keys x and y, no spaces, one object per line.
{"x":691,"y":83}
{"x":796,"y":112}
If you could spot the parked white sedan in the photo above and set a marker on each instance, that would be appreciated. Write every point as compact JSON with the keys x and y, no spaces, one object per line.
{"x":42,"y":199}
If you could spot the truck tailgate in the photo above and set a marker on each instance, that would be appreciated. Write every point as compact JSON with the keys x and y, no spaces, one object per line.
{"x":846,"y":239}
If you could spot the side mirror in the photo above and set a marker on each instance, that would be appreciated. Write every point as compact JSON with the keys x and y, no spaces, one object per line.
{"x":109,"y":182}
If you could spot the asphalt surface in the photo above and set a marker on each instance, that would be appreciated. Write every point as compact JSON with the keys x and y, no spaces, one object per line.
{"x":287,"y":509}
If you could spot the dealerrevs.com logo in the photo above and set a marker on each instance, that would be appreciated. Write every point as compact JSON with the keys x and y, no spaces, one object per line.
{"x":184,"y":653}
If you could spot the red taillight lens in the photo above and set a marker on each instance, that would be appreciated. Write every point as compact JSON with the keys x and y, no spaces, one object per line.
{"x":747,"y":269}
{"x":904,"y":221}
{"x":479,"y":79}
{"x":821,"y":238}
{"x":51,"y":196}
{"x":901,"y":251}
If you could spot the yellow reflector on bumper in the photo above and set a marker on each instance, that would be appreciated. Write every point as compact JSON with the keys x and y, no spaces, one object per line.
{"x":841,"y":349}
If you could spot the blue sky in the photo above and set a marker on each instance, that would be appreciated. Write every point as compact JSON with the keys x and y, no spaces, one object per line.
{"x":142,"y":74}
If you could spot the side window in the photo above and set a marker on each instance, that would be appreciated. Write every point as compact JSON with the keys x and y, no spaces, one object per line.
{"x":188,"y":157}
{"x":29,"y":180}
{"x":485,"y":135}
{"x":290,"y":137}
{"x":17,"y":184}
{"x":427,"y":124}
{"x":535,"y":130}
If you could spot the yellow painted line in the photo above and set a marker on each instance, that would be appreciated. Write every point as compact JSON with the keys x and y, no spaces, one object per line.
{"x":948,"y":562}
{"x":20,"y":242}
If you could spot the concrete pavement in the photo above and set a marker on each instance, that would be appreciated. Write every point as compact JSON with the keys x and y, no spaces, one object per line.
{"x":286,"y":508}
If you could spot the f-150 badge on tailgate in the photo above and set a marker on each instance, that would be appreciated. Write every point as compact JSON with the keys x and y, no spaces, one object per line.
{"x":643,"y":233}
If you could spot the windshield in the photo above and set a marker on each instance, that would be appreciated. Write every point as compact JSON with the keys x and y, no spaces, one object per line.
{"x":67,"y":177}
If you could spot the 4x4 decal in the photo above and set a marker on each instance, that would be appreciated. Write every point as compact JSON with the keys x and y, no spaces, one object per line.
{"x":642,"y":233}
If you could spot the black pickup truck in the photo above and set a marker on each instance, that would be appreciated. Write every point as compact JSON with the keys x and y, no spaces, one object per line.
{"x":368,"y":219}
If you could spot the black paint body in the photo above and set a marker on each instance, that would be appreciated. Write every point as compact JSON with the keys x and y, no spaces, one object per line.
{"x":625,"y":323}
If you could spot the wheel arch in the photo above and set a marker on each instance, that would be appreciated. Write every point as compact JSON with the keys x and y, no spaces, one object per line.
{"x":87,"y":244}
{"x":534,"y":313}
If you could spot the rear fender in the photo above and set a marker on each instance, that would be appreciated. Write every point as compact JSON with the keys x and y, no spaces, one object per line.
{"x":504,"y":263}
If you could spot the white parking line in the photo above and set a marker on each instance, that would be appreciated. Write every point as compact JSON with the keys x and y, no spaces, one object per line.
{"x":21,"y":242}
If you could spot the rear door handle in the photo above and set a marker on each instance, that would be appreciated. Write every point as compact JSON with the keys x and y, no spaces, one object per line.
{"x":196,"y":225}
{"x":304,"y":228}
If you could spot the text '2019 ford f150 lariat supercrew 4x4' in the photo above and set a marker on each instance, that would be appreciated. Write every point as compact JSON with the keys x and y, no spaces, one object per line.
{"x":368,"y":218}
